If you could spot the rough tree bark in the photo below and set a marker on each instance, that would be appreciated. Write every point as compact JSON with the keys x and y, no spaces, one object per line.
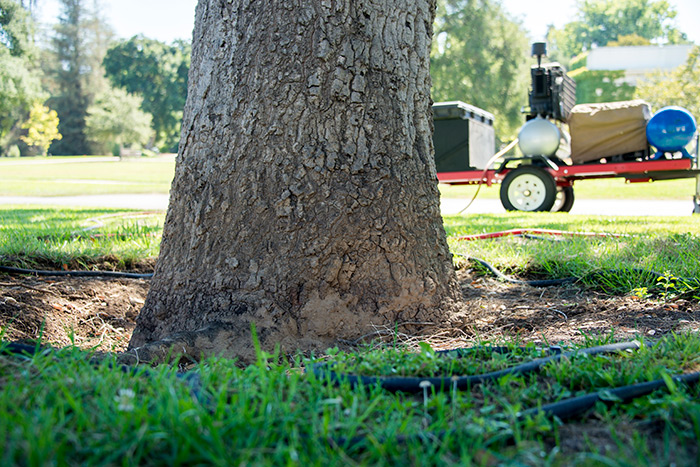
{"x":305,"y":196}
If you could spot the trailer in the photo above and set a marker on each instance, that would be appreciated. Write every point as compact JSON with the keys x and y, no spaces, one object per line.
{"x":609,"y":140}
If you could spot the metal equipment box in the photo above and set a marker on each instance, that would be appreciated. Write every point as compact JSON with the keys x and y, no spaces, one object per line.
{"x":553,"y":93}
{"x":464,"y":137}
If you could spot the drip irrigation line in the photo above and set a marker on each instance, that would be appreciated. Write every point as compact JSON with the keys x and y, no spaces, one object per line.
{"x":567,"y":280}
{"x":412,"y":384}
{"x":574,"y":406}
{"x":564,"y":410}
{"x":533,"y":283}
{"x":39,"y":272}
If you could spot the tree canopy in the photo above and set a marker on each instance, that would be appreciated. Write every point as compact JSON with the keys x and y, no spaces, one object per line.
{"x":78,"y":45}
{"x":20,"y":84}
{"x":611,"y":23}
{"x":67,"y":68}
{"x":116,"y":120}
{"x":16,"y":28}
{"x":479,"y":55}
{"x":158,"y":73}
{"x":679,"y":87}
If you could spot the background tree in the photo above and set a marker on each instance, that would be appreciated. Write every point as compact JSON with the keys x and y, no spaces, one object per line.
{"x":600,"y":22}
{"x":79,"y":44}
{"x":480,"y":56}
{"x":42,"y":128}
{"x":678,"y":87}
{"x":20,"y":85}
{"x":305,"y":198}
{"x":611,"y":23}
{"x":16,"y":28}
{"x":158,"y":73}
{"x":116,"y":121}
{"x":598,"y":85}
{"x":630,"y":40}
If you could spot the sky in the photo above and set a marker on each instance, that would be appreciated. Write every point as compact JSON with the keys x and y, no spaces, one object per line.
{"x":167,"y":20}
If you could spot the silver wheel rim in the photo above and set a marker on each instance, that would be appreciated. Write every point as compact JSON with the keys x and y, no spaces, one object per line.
{"x":527,"y":192}
{"x":559,"y":200}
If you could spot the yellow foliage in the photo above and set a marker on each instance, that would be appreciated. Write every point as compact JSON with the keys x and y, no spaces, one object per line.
{"x":42,"y":127}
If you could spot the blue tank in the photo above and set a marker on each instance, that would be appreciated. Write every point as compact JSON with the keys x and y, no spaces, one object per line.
{"x":671,"y":129}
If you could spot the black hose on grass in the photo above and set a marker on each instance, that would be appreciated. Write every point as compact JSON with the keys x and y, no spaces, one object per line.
{"x":414,"y":384}
{"x":533,"y":283}
{"x":574,"y":406}
{"x":568,"y":280}
{"x":15,"y":348}
{"x":564,"y":410}
{"x":39,"y":272}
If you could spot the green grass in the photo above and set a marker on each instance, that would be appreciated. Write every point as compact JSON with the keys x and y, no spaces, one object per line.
{"x":58,"y":238}
{"x":119,"y":238}
{"x":659,"y":244}
{"x":60,"y":409}
{"x":84,"y":176}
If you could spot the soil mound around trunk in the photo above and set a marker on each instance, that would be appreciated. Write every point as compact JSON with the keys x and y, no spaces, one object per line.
{"x":101,"y":314}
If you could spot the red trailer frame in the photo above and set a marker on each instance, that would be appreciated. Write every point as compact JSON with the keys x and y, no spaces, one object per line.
{"x":566,"y":175}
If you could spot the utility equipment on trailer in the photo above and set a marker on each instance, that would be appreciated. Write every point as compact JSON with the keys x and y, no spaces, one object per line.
{"x":609,"y":140}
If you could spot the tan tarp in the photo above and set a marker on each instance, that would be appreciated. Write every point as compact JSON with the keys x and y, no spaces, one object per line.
{"x":608,"y":129}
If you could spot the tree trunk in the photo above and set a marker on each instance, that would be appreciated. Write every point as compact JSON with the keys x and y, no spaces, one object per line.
{"x":305,"y":197}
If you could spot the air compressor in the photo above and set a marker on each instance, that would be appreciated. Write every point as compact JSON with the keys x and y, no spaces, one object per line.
{"x":606,"y":140}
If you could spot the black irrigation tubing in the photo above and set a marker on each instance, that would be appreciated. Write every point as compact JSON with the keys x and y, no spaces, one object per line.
{"x":564,"y":409}
{"x":533,"y":283}
{"x":567,"y":280}
{"x":39,"y":272}
{"x":574,"y":406}
{"x":414,"y":384}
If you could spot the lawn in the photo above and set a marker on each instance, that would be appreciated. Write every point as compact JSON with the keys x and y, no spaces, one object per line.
{"x":77,"y":406}
{"x":61,"y":408}
{"x":68,"y":176}
{"x":53,"y":237}
{"x":62,"y":238}
{"x":58,"y":176}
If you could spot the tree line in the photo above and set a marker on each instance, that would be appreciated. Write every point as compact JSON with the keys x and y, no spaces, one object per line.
{"x":75,"y":89}
{"x":625,"y":23}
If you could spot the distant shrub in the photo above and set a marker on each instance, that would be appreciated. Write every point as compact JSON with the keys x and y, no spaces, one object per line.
{"x":13,"y":151}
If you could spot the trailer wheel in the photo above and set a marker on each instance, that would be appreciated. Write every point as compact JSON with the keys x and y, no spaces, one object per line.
{"x":528,"y":188}
{"x":564,"y":200}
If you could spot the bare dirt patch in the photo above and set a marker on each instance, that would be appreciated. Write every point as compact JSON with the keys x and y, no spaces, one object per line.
{"x":569,"y":313}
{"x":92,"y":313}
{"x":100,"y":314}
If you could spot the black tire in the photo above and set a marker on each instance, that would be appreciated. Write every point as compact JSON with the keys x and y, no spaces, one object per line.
{"x":564,"y":199}
{"x":528,"y":188}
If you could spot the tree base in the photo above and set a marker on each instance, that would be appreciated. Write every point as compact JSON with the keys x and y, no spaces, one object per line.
{"x":316,"y":333}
